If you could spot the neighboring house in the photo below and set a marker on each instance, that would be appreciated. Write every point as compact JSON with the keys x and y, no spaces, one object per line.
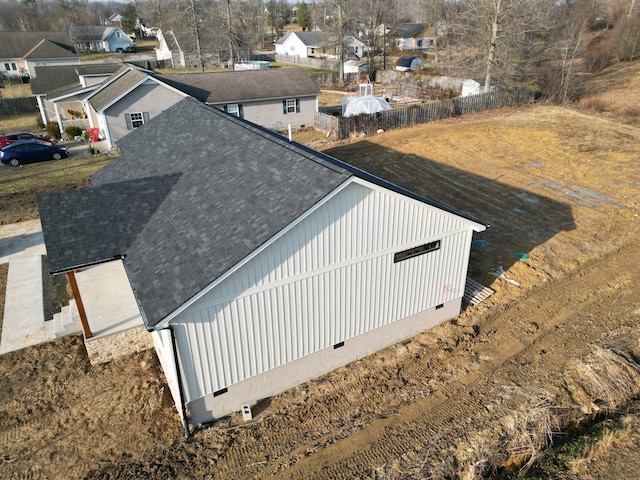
{"x":257,"y":263}
{"x":177,"y":48}
{"x":409,"y":64}
{"x":126,"y":101}
{"x":317,"y":44}
{"x":413,"y":36}
{"x":60,"y":91}
{"x":273,"y":98}
{"x":126,"y":96}
{"x":100,"y":38}
{"x":22,"y":52}
{"x":114,"y":20}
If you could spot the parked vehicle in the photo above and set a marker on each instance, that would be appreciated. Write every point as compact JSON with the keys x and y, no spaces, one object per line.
{"x":9,"y":138}
{"x":31,"y":151}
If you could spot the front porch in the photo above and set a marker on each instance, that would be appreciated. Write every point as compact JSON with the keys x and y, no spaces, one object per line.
{"x":112,"y":323}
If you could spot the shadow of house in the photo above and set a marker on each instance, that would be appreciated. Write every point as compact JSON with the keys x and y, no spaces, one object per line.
{"x":518,"y":220}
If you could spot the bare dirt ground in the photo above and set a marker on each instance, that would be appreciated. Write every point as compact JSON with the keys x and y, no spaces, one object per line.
{"x":472,"y":397}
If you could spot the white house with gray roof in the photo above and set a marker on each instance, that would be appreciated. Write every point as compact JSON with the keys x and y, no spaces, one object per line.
{"x":257,"y":263}
{"x":316,"y":44}
{"x":100,"y":38}
{"x":22,"y":52}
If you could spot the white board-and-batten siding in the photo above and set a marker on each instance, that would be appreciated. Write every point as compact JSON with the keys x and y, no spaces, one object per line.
{"x":330,"y":278}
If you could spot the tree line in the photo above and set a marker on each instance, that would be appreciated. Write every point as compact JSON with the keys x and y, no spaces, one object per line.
{"x":546,"y":44}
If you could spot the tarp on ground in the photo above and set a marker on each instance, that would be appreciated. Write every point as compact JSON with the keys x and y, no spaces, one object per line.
{"x":365,"y":104}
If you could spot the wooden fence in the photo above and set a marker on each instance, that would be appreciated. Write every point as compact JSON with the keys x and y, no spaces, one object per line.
{"x":368,"y":124}
{"x":18,"y":106}
{"x":308,"y":62}
{"x":325,"y":123}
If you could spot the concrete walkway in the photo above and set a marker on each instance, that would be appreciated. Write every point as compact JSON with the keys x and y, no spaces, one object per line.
{"x":107,"y":296}
{"x":21,"y":245}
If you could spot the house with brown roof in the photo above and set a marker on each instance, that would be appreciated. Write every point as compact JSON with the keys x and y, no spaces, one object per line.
{"x":22,"y":52}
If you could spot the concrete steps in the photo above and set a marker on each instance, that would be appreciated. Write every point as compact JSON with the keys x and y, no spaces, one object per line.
{"x":67,"y":321}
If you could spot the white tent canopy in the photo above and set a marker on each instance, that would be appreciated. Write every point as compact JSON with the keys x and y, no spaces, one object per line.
{"x":365,"y":104}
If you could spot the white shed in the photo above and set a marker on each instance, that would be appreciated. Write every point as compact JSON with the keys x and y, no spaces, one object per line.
{"x":258,"y":263}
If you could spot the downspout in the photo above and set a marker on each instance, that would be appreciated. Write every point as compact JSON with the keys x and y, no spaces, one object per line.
{"x":185,"y":423}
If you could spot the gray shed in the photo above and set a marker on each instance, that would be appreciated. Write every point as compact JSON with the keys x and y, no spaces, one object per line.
{"x":409,"y":64}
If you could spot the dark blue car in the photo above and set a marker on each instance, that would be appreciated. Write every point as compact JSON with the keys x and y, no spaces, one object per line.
{"x":30,"y":151}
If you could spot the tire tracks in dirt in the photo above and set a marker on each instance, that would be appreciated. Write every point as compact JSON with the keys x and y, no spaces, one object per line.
{"x":528,"y":344}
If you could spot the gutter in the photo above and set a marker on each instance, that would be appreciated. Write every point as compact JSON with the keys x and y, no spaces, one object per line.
{"x":185,"y":423}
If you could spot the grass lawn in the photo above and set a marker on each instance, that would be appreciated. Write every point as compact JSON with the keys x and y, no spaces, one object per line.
{"x":16,"y":91}
{"x":13,"y":123}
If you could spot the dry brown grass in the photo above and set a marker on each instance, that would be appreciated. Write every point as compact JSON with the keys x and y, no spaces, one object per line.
{"x":13,"y":123}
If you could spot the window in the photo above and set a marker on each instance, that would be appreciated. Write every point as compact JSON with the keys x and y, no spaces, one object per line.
{"x":419,"y":43}
{"x":135,"y":120}
{"x":415,"y":251}
{"x":291,"y":105}
{"x":42,"y":64}
{"x":234,"y":109}
{"x":10,"y":66}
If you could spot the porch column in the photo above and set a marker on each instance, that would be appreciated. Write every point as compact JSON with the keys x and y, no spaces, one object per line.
{"x":76,"y":294}
{"x":58,"y":118}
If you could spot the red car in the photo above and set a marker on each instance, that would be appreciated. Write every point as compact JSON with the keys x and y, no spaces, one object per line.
{"x":9,"y":138}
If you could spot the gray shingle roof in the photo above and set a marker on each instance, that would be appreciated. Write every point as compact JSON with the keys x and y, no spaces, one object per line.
{"x":91,"y":33}
{"x":21,"y":44}
{"x":407,"y":30}
{"x":231,"y":187}
{"x":114,"y":224}
{"x":51,"y":78}
{"x":315,"y":39}
{"x":230,"y":87}
{"x":117,"y":87}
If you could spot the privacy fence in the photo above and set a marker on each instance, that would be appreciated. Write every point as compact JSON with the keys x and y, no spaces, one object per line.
{"x":323,"y":64}
{"x":18,"y":106}
{"x":343,"y":127}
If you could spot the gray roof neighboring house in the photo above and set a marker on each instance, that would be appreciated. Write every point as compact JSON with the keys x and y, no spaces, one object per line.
{"x":51,"y":78}
{"x":238,"y":86}
{"x":407,"y":30}
{"x":187,"y":201}
{"x":36,"y":45}
{"x":91,"y":33}
{"x":311,"y":39}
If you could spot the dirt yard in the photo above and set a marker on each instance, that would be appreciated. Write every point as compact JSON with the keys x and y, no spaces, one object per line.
{"x":557,"y":344}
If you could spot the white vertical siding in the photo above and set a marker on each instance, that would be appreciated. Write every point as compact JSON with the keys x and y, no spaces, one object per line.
{"x":329,"y":279}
